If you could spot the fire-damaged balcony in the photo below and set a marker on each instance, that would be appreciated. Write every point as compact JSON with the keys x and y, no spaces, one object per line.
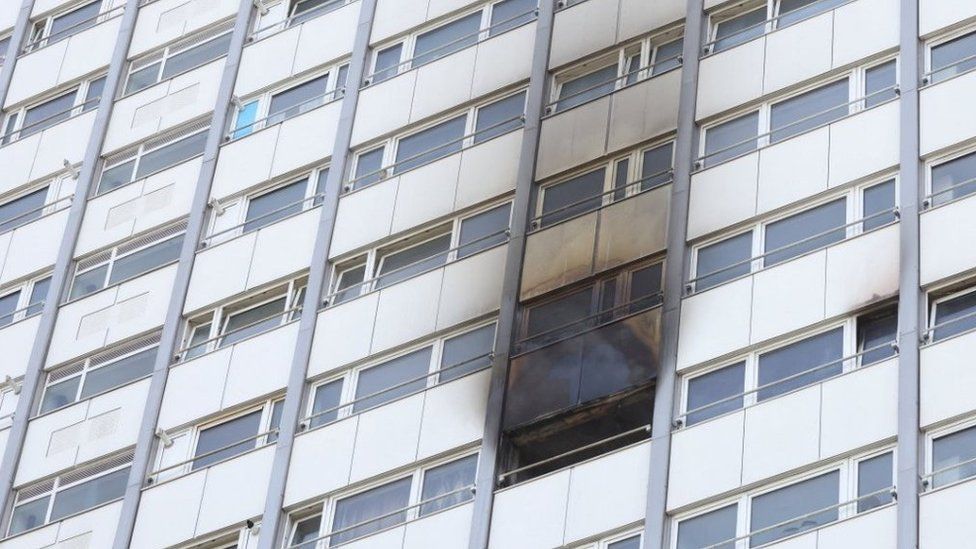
{"x":581,"y":382}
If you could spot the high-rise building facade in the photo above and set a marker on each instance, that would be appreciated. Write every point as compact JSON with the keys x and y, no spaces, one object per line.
{"x":487,"y":274}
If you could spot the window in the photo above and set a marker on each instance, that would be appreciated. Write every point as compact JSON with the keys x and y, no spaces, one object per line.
{"x":723,"y":261}
{"x":149,"y":158}
{"x":274,"y":205}
{"x":806,"y":231}
{"x":22,"y":210}
{"x":303,"y":10}
{"x":953,"y":457}
{"x":446,"y":39}
{"x":61,"y":25}
{"x":178,"y":58}
{"x":745,"y":23}
{"x":37,"y":117}
{"x":305,"y":533}
{"x":794,"y":11}
{"x":99,"y":373}
{"x":879,"y":85}
{"x":392,"y":379}
{"x":368,"y":168}
{"x":81,"y":489}
{"x":226,"y":440}
{"x":952,"y":57}
{"x":877,"y":334}
{"x":953,"y":179}
{"x":874,"y":481}
{"x":809,"y":110}
{"x":878,"y":205}
{"x":584,"y":88}
{"x":709,"y":529}
{"x":126,"y":261}
{"x":953,"y":314}
{"x":426,"y":146}
{"x":800,"y":364}
{"x":731,"y":139}
{"x":775,"y":509}
{"x":386,"y":64}
{"x":499,"y":118}
{"x":26,"y":300}
{"x":4,"y":44}
{"x":400,"y":264}
{"x":730,"y":31}
{"x":509,"y":14}
{"x":715,"y":393}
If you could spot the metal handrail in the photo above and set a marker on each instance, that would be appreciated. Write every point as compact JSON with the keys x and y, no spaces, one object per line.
{"x":383,"y":172}
{"x":206,"y":241}
{"x":215,"y":451}
{"x":927,"y":479}
{"x":55,"y":208}
{"x":551,"y":108}
{"x":689,"y":285}
{"x":16,"y":135}
{"x":468,"y":488}
{"x":927,"y":77}
{"x":890,"y":490}
{"x":355,"y":401}
{"x":369,"y":283}
{"x":286,"y":23}
{"x":395,"y":69}
{"x":232,"y":134}
{"x":681,"y":420}
{"x":182,"y":352}
{"x":758,"y":137}
{"x":68,"y":32}
{"x":927,"y":201}
{"x":708,"y":47}
{"x":928,"y":333}
{"x":12,"y":315}
{"x":503,"y":476}
{"x":535,"y":224}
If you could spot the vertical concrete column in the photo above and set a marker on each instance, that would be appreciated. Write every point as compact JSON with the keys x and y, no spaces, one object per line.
{"x":13,"y":48}
{"x":656,"y":519}
{"x":169,"y":338}
{"x":317,"y":279}
{"x":62,"y":265}
{"x":525,"y":178}
{"x":911,"y":303}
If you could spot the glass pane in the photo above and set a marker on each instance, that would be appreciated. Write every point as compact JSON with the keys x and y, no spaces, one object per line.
{"x":94,"y":94}
{"x":794,"y":11}
{"x":880,"y":84}
{"x":720,"y":387}
{"x":429,"y":145}
{"x":320,"y":183}
{"x":306,"y":533}
{"x":874,"y":475}
{"x":631,"y":68}
{"x":820,"y":353}
{"x":400,"y":370}
{"x":8,"y":305}
{"x":558,"y":318}
{"x":227,"y":439}
{"x":731,"y":139}
{"x":47,"y":114}
{"x":403,"y":264}
{"x":142,"y":78}
{"x":709,"y":530}
{"x":876,"y":334}
{"x":196,"y":346}
{"x":739,"y":29}
{"x":576,"y":196}
{"x":629,"y":543}
{"x":780,"y":506}
{"x":508,"y":14}
{"x":809,"y":110}
{"x":60,"y":394}
{"x":723,"y":261}
{"x":350,"y":284}
{"x":482,"y":231}
{"x":445,"y":486}
{"x":252,"y":321}
{"x":958,"y":314}
{"x":88,"y":282}
{"x":878,"y":200}
{"x":953,"y":57}
{"x":587,"y":87}
{"x":246,"y":116}
{"x":445,"y":40}
{"x":9,"y":128}
{"x":797,"y":234}
{"x":387,"y":63}
{"x":272,"y":206}
{"x":196,"y":56}
{"x":499,"y":118}
{"x":145,"y":260}
{"x":307,"y":9}
{"x":301,"y":98}
{"x":645,"y":288}
{"x":22,"y":210}
{"x":952,"y":455}
{"x":368,"y":165}
{"x":358,"y":515}
{"x":466,"y":353}
{"x":667,"y":57}
{"x":89,"y":494}
{"x":954,"y":179}
{"x":75,"y":21}
{"x":274,"y":424}
{"x":28,"y":515}
{"x":38,"y":296}
{"x":118,"y":373}
{"x":116,"y":176}
{"x":656,"y":166}
{"x":172,"y":154}
{"x":325,"y":403}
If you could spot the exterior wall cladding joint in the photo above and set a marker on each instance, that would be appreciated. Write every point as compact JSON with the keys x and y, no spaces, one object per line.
{"x":487,"y":274}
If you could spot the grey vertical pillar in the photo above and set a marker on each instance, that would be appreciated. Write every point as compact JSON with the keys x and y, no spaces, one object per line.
{"x":911,"y":305}
{"x":62,"y":264}
{"x":169,"y":338}
{"x":317,"y":279}
{"x":525,"y":178}
{"x":656,"y":519}
{"x":13,"y":48}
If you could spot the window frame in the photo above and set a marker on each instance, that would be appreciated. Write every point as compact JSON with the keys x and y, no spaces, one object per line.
{"x":771,"y":24}
{"x":942,"y":38}
{"x":14,"y":131}
{"x":936,"y":298}
{"x":260,"y":440}
{"x":39,"y":30}
{"x":25,"y":289}
{"x":929,"y":452}
{"x":167,"y":52}
{"x":929,"y":202}
{"x":140,"y":151}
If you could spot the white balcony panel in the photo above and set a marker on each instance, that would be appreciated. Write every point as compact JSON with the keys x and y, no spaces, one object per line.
{"x":470,"y":288}
{"x":454,"y":414}
{"x":132,"y":209}
{"x":395,"y":16}
{"x":730,"y":78}
{"x":164,"y":106}
{"x":326,"y":37}
{"x":220,"y":271}
{"x":863,"y":28}
{"x":416,"y":299}
{"x":387,"y":437}
{"x":488,"y":170}
{"x":365,"y":216}
{"x":864,"y":144}
{"x":941,"y":122}
{"x":798,"y":52}
{"x":573,"y":137}
{"x":95,"y":528}
{"x":267,"y":61}
{"x":392,"y":97}
{"x":644,"y":109}
{"x":63,"y":61}
{"x":582,"y":29}
{"x":43,"y":154}
{"x":945,"y":367}
{"x":450,"y":528}
{"x":695,"y":473}
{"x":868,"y":394}
{"x":425,"y":193}
{"x":862,"y":270}
{"x":937,"y":14}
{"x":723,"y":195}
{"x":575,"y":503}
{"x":82,"y":432}
{"x":788,"y":296}
{"x":111,"y":315}
{"x":941,"y":231}
{"x":218,"y":381}
{"x":313,"y":472}
{"x":946,"y":518}
{"x":168,"y":20}
{"x":502,"y":61}
{"x":17,"y":340}
{"x":343,"y":334}
{"x":168,"y":512}
{"x":792,"y":170}
{"x":781,"y":435}
{"x":33,"y":246}
{"x":874,"y":530}
{"x":442,"y":84}
{"x":715,"y":322}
